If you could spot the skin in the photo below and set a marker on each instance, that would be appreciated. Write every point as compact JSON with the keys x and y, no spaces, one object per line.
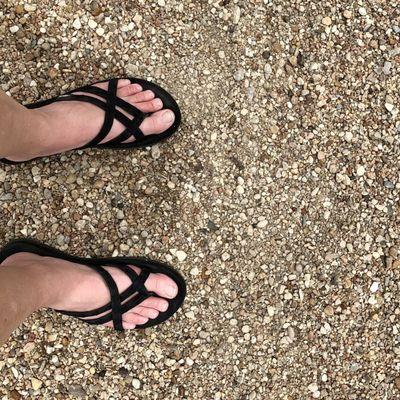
{"x":29,"y":282}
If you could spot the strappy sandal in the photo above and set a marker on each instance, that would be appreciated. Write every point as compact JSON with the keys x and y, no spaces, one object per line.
{"x":120,"y":303}
{"x":111,"y":104}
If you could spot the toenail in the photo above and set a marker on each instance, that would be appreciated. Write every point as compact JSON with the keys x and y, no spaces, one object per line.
{"x":168,"y":116}
{"x":158,"y":103}
{"x":171,"y":291}
{"x":164,"y":307}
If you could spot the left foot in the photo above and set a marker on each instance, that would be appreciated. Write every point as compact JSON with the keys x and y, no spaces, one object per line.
{"x":69,"y":125}
{"x":75,"y":287}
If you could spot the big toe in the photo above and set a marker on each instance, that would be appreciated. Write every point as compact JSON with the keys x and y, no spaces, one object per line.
{"x":162,"y":285}
{"x":158,"y":122}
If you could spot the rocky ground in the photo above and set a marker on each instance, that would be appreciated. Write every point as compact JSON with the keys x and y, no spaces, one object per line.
{"x":280,"y":192}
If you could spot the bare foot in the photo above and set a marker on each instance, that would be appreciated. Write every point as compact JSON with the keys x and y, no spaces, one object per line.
{"x":76,"y":287}
{"x":72,"y":124}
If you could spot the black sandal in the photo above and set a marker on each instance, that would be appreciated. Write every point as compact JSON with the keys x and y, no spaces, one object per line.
{"x":120,"y":303}
{"x":109,"y":105}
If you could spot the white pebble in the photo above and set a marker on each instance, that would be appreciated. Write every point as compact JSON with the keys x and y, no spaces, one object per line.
{"x":360,"y":170}
{"x":362,"y":11}
{"x":77,"y":24}
{"x":14,"y":29}
{"x":136,"y":383}
{"x":262,"y":224}
{"x":240,"y":189}
{"x":92,"y":24}
{"x":374,"y":287}
{"x":181,"y":255}
{"x":100,"y":31}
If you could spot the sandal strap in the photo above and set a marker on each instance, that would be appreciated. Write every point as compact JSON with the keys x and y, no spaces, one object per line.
{"x":120,"y":303}
{"x":110,"y":105}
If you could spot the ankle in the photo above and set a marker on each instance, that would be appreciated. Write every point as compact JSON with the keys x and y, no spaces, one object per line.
{"x":45,"y":279}
{"x":29,"y":132}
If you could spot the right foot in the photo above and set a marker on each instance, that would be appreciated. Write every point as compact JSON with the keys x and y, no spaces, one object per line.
{"x":68,"y":125}
{"x":75,"y":287}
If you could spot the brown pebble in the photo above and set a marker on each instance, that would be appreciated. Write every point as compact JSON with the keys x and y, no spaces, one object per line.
{"x":329,"y":311}
{"x":393,"y":252}
{"x":397,"y":382}
{"x":19,"y":9}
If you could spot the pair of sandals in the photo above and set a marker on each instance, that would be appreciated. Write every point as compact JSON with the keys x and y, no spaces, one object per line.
{"x":114,"y":108}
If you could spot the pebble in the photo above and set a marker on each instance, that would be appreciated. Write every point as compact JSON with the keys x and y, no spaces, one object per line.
{"x":181,"y":255}
{"x":36,"y":383}
{"x":347,"y":14}
{"x":374,"y":287}
{"x":362,"y":11}
{"x":329,"y":310}
{"x":77,"y":24}
{"x":92,"y":24}
{"x":14,"y":29}
{"x":327,"y":21}
{"x":240,"y":189}
{"x":136,"y":383}
{"x":246,"y":329}
{"x":262,"y":224}
{"x":100,"y":31}
{"x":239,"y":74}
{"x":360,"y":170}
{"x":236,"y":14}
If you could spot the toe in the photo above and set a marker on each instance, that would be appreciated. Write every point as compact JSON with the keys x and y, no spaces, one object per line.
{"x":128,"y":325}
{"x":121,"y":84}
{"x":158,"y":122}
{"x":146,"y":312}
{"x":158,"y":304}
{"x":144,"y":95}
{"x":134,"y":318}
{"x":162,"y":285}
{"x":150,"y":106}
{"x":129,"y":90}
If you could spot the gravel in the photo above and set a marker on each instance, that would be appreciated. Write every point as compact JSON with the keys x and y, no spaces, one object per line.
{"x":278,"y":199}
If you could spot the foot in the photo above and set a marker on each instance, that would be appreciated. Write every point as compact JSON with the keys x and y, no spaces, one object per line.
{"x":75,"y":287}
{"x":69,"y":125}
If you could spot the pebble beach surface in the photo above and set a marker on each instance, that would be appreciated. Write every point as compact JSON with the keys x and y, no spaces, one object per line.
{"x":278,"y":199}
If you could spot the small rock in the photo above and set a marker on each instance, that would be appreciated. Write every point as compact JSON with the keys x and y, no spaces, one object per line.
{"x":92,"y":24}
{"x":374,"y":287}
{"x":397,"y":382}
{"x":362,"y":11}
{"x":387,"y":67}
{"x":313,"y":387}
{"x":100,"y":31}
{"x":329,"y":311}
{"x":77,"y":23}
{"x":236,"y":14}
{"x":389,"y":107}
{"x":246,"y":329}
{"x":136,"y":383}
{"x":181,"y":255}
{"x":262,"y":224}
{"x":327,"y":21}
{"x":239,"y":75}
{"x":14,"y":29}
{"x":347,"y":14}
{"x":240,"y":189}
{"x":393,"y":251}
{"x":348,"y":137}
{"x":155,"y":152}
{"x":36,"y":383}
{"x":360,"y":170}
